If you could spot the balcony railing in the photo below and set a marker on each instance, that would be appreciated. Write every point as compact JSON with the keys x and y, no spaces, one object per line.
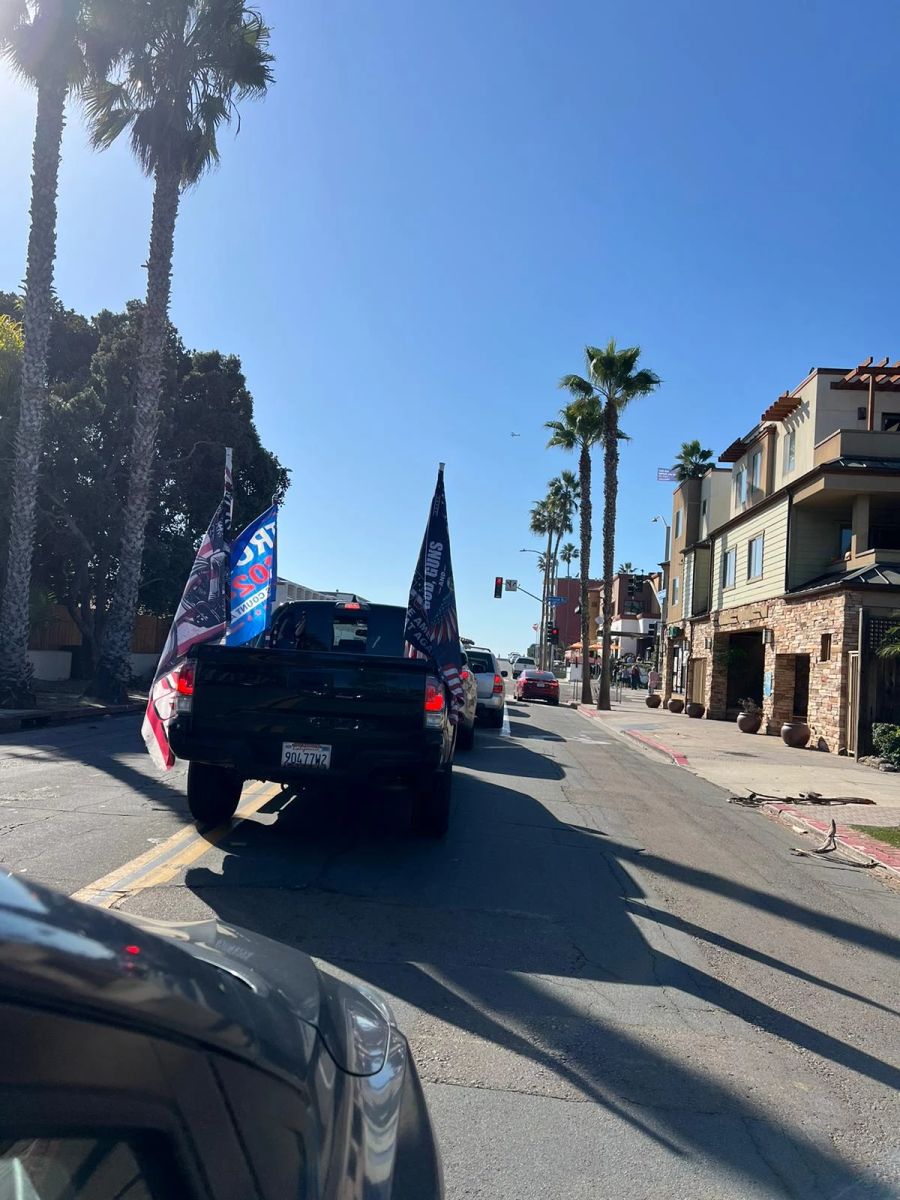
{"x":857,"y":443}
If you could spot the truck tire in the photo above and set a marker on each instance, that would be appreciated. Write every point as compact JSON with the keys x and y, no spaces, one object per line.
{"x":431,"y":804}
{"x":465,"y":735}
{"x":213,"y":793}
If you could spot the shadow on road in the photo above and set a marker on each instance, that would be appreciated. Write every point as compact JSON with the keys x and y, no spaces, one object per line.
{"x":469,"y":930}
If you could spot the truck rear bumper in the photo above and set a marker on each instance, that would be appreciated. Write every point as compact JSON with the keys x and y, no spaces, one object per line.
{"x":349,"y":761}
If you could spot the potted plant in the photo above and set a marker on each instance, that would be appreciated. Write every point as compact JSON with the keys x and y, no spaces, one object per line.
{"x":676,"y":704}
{"x":751,"y":715}
{"x":653,"y":700}
{"x":695,"y":709}
{"x":795,"y":733}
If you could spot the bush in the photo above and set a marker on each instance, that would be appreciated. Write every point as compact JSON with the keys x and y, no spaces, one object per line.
{"x":886,"y":740}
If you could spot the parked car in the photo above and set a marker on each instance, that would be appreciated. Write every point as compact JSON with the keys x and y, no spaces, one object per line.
{"x":465,"y":728}
{"x":489,"y":679}
{"x":538,"y":685}
{"x":157,"y":1060}
{"x":521,"y":664}
{"x":330,"y":695}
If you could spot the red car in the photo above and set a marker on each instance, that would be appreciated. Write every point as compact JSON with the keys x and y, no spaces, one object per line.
{"x":538,"y":685}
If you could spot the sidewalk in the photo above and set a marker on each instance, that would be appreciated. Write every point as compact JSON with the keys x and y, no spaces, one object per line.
{"x":61,"y":703}
{"x":743,"y":764}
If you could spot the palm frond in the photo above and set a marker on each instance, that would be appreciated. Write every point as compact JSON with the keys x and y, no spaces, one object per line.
{"x":578,"y":387}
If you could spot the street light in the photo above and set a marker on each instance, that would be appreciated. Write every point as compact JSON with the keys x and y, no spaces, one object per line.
{"x":539,"y":553}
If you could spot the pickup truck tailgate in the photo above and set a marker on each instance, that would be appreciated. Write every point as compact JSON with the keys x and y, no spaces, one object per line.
{"x":257,"y":700}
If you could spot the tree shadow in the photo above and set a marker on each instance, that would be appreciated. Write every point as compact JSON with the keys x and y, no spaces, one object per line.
{"x":472,"y":931}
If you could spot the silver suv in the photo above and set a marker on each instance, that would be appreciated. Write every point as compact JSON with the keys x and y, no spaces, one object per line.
{"x":491,"y":689}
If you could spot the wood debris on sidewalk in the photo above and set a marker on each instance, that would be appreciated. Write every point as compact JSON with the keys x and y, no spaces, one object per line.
{"x":755,"y":799}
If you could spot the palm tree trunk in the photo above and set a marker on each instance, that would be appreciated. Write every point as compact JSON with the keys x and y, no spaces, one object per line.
{"x":610,"y":488}
{"x":113,"y":672}
{"x":584,"y":473}
{"x":545,"y":604}
{"x":16,"y":676}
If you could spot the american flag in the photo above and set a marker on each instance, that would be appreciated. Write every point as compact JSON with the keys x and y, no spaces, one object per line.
{"x":201,"y":617}
{"x":432,"y":629}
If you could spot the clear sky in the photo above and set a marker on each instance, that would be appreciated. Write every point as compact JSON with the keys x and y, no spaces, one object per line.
{"x":439,"y":205}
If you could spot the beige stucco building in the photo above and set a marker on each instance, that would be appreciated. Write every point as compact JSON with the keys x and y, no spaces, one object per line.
{"x":784,"y":570}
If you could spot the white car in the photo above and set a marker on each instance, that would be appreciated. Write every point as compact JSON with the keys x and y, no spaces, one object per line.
{"x":484,"y":665}
{"x":521,"y":664}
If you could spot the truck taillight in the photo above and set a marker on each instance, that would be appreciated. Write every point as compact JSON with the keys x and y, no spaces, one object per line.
{"x":498,"y":685}
{"x":434,"y":701}
{"x":186,"y":673}
{"x":184,"y":687}
{"x":464,"y":674}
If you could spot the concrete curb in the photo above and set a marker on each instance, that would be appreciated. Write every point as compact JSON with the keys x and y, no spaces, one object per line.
{"x":857,"y":845}
{"x":40,"y":718}
{"x":675,"y":756}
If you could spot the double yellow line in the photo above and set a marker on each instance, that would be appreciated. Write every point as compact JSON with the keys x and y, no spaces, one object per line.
{"x":163,"y":862}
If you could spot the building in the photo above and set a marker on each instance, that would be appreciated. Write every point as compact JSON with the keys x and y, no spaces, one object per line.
{"x":785,"y":576}
{"x":567,"y":616}
{"x":635,"y":614}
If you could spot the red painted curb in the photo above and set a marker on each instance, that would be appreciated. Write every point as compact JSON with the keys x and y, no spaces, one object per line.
{"x":850,"y":839}
{"x":680,"y":760}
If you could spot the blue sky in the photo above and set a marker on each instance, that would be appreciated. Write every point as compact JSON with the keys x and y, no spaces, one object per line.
{"x":438,"y":206}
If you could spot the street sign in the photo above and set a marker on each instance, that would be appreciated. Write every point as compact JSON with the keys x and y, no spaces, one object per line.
{"x":512,"y":585}
{"x":555,"y":600}
{"x":535,"y":627}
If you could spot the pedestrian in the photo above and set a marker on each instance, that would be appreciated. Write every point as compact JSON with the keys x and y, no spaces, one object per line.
{"x":635,"y":677}
{"x":654,"y":679}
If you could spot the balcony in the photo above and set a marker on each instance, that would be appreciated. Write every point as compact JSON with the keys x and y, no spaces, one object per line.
{"x":857,"y":443}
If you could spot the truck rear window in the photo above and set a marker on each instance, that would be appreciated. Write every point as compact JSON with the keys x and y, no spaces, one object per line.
{"x":376,"y":629}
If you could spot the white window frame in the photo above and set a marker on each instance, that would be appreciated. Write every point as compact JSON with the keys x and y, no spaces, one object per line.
{"x":729,"y":557}
{"x":756,"y":469}
{"x":790,"y":452}
{"x":760,"y":539}
{"x":675,"y":587}
{"x":678,"y":522}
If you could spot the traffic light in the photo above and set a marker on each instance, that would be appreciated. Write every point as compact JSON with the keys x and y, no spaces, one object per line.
{"x":553,"y":635}
{"x":498,"y":586}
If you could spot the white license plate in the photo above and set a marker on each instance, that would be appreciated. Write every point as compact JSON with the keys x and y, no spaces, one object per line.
{"x":540,"y":685}
{"x":305,"y":754}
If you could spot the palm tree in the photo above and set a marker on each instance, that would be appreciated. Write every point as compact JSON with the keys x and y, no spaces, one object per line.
{"x":186,"y":67}
{"x":44,"y":41}
{"x":612,"y":382}
{"x":579,"y":429}
{"x":692,"y":462}
{"x":568,"y":554}
{"x":625,"y":568}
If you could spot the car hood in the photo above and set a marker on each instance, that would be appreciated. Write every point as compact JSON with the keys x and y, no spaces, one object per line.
{"x":228,"y":987}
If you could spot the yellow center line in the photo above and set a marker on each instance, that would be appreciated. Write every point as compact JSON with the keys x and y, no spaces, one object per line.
{"x":161,"y":863}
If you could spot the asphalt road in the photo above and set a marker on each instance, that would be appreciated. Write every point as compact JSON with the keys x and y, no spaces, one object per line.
{"x":615,"y":984}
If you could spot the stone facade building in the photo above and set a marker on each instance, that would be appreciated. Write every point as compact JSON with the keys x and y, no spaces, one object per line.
{"x":786,"y":574}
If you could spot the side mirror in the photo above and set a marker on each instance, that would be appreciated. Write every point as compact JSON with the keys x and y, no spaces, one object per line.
{"x":504,"y":674}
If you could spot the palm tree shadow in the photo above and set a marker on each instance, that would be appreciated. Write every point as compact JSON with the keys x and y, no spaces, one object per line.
{"x":471,"y":932}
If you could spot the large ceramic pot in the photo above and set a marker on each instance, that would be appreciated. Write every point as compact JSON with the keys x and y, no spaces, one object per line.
{"x":795,"y":733}
{"x":653,"y":700}
{"x":676,"y":705}
{"x":695,"y":710}
{"x":749,"y":722}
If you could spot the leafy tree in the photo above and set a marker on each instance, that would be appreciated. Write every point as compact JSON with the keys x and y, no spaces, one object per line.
{"x":45,"y":42}
{"x":186,"y":66}
{"x":568,"y":555}
{"x":205,"y":405}
{"x":692,"y":462}
{"x":613,"y":381}
{"x":579,"y":428}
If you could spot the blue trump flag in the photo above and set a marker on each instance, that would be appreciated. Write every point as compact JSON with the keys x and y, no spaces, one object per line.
{"x":254,"y":574}
{"x":432,"y":629}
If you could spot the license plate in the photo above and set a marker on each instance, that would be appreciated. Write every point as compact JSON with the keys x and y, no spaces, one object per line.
{"x":305,"y":754}
{"x":540,"y":685}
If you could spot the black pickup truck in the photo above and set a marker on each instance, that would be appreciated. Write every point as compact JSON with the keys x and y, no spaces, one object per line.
{"x":328,"y":695}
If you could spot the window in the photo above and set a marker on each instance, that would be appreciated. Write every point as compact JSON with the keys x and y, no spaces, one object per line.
{"x":890,"y":422}
{"x":704,"y":508}
{"x":729,"y":568}
{"x":756,"y":469}
{"x":78,"y":1168}
{"x":845,"y":537}
{"x":678,"y":513}
{"x":825,"y":648}
{"x":675,"y":591}
{"x":755,"y":557}
{"x":740,"y":488}
{"x":790,"y":452}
